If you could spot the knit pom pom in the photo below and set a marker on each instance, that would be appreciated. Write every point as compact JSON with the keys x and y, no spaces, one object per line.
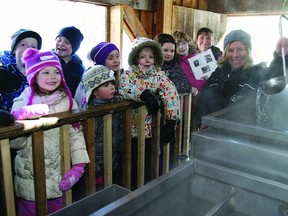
{"x":29,"y":53}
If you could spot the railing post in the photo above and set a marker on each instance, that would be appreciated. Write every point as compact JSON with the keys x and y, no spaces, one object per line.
{"x":39,"y":172}
{"x":7,"y":178}
{"x":141,"y":146}
{"x":126,"y":160}
{"x":107,"y":148}
{"x":155,"y":145}
{"x":89,"y":132}
{"x":187,"y":123}
{"x":65,"y":158}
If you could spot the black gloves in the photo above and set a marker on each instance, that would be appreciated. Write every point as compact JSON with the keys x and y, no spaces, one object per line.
{"x":151,"y":101}
{"x":168,"y":132}
{"x":6,"y":118}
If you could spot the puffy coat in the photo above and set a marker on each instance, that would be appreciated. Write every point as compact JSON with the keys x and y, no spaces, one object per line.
{"x":177,"y":76}
{"x":135,"y":80}
{"x":24,"y":179}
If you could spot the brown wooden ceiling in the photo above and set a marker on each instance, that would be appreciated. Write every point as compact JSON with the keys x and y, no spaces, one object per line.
{"x":229,"y":7}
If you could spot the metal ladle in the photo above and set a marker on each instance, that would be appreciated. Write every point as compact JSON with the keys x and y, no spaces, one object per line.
{"x":277,"y":84}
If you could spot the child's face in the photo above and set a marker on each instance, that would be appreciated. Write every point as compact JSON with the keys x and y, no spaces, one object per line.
{"x":168,"y":50}
{"x":20,"y":48}
{"x":48,"y":79}
{"x":113,"y":61}
{"x":183,"y":47}
{"x":204,"y":41}
{"x":63,"y":47}
{"x":146,"y":58}
{"x":106,"y":91}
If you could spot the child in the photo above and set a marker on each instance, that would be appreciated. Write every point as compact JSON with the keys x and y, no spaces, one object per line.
{"x":186,"y":50}
{"x":47,"y":89}
{"x":106,"y":54}
{"x":170,"y":65}
{"x":99,"y":84}
{"x":68,"y":42}
{"x":176,"y":75}
{"x":144,"y":82}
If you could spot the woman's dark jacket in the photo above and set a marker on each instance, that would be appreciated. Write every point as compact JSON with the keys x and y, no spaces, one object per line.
{"x":225,"y":87}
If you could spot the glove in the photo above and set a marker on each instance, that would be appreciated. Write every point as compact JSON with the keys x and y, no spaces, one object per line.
{"x":31,"y":111}
{"x":6,"y":118}
{"x":168,"y":131}
{"x":72,"y":177}
{"x":151,"y":101}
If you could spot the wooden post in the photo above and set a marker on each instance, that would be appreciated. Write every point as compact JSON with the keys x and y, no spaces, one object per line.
{"x":107,"y":145}
{"x":155,"y":145}
{"x":7,"y":177}
{"x":65,"y":158}
{"x":89,"y":132}
{"x":39,"y":172}
{"x":141,"y":146}
{"x":126,"y":160}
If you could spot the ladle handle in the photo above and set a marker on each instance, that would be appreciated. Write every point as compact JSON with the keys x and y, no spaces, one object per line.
{"x":284,"y":62}
{"x":282,"y":48}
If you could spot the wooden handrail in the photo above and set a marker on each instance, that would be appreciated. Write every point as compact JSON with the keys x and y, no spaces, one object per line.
{"x":36,"y":128}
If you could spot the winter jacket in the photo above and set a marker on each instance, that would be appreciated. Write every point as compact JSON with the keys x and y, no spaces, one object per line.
{"x":12,"y":81}
{"x":177,"y":76}
{"x":135,"y":80}
{"x":116,"y":136}
{"x":24,"y":179}
{"x":216,"y":52}
{"x":73,"y":71}
{"x":185,"y":65}
{"x":225,"y":88}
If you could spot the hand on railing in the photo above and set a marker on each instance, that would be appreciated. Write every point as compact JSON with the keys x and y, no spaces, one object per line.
{"x":169,"y":131}
{"x":31,"y":111}
{"x":151,"y":101}
{"x":6,"y":118}
{"x":72,"y":177}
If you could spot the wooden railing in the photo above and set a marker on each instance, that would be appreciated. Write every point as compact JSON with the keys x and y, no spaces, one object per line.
{"x":62,"y":120}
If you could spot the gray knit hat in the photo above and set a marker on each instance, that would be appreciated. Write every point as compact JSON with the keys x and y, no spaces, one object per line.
{"x":238,"y":35}
{"x":94,"y":77}
{"x":140,"y":43}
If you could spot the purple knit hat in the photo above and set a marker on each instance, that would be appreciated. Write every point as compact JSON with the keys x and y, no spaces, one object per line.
{"x":101,"y":51}
{"x":35,"y":60}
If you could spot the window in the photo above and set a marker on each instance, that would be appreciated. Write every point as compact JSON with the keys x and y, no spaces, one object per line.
{"x":47,"y":17}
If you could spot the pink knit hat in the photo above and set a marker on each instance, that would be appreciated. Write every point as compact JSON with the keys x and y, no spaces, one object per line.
{"x":35,"y":60}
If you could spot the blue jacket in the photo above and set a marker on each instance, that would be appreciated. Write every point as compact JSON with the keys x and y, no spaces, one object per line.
{"x":12,"y":81}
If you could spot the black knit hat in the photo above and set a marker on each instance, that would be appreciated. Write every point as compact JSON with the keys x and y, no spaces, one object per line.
{"x":73,"y":35}
{"x":22,"y":34}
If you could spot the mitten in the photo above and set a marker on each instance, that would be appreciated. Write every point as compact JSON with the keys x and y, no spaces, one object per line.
{"x":31,"y":111}
{"x":6,"y":118}
{"x":150,"y":101}
{"x":168,"y":132}
{"x":72,"y":176}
